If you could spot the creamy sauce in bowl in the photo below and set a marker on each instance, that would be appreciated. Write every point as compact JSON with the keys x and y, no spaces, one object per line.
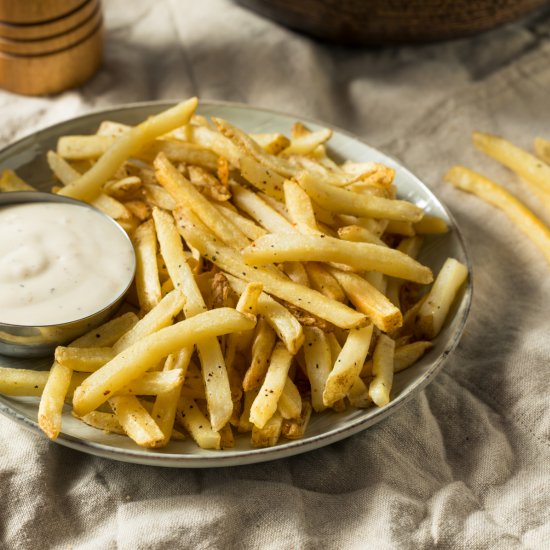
{"x":59,"y":262}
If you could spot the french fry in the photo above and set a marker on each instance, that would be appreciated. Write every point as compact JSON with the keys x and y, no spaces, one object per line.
{"x":367,"y":299}
{"x":435,"y":308}
{"x":136,"y":359}
{"x":358,"y":395}
{"x":271,"y":143}
{"x":382,"y":370}
{"x":83,"y":359}
{"x":184,"y":192}
{"x":365,"y":256}
{"x":158,"y":196}
{"x":139,"y":209}
{"x":262,"y":178}
{"x":214,"y":141}
{"x":285,"y":325}
{"x":88,"y":186}
{"x":10,"y":181}
{"x":358,"y":234}
{"x":296,"y":428}
{"x":154,"y":383}
{"x":265,"y":404}
{"x":296,"y":272}
{"x":105,"y":421}
{"x":269,"y":434}
{"x":147,"y":276}
{"x":348,"y":365}
{"x":179,"y":151}
{"x":307,"y":143}
{"x":208,"y":183}
{"x":247,"y":226}
{"x":22,"y":382}
{"x":300,"y":208}
{"x":136,"y":421}
{"x":404,"y":357}
{"x":534,"y":172}
{"x":290,"y":401}
{"x":108,"y":333}
{"x":491,"y":192}
{"x":259,"y":210}
{"x":319,"y":363}
{"x":244,"y":421}
{"x":53,"y":399}
{"x":159,"y":317}
{"x":262,"y":347}
{"x":401,"y":228}
{"x":431,"y":225}
{"x":325,"y":283}
{"x":347,"y":202}
{"x":191,"y":418}
{"x":83,"y":147}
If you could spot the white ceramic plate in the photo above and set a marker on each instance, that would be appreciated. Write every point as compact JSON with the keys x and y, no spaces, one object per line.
{"x":28,"y":158}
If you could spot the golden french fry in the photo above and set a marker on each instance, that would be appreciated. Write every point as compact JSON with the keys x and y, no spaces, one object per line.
{"x":184,"y":192}
{"x":265,"y":404}
{"x":262,"y":178}
{"x":83,"y":147}
{"x":367,"y":299}
{"x":269,"y":434}
{"x":494,"y":194}
{"x":285,"y":325}
{"x":535,"y":172}
{"x":262,"y":347}
{"x":290,"y":401}
{"x":430,"y":225}
{"x":191,"y":418}
{"x":348,"y":365}
{"x":358,"y":234}
{"x":382,"y":370}
{"x":324,"y":282}
{"x":209,"y":184}
{"x":307,"y":143}
{"x":53,"y":399}
{"x":247,"y":226}
{"x":300,"y":208}
{"x":211,"y":140}
{"x":159,"y":317}
{"x":22,"y":382}
{"x":136,"y":421}
{"x":319,"y":363}
{"x":296,"y":428}
{"x":108,"y":333}
{"x":271,"y":143}
{"x":105,"y":421}
{"x":154,"y":383}
{"x":435,"y":308}
{"x":83,"y":359}
{"x":365,"y":256}
{"x":136,"y":359}
{"x":88,"y":186}
{"x":179,"y":151}
{"x":10,"y":181}
{"x":348,"y":202}
{"x":358,"y":394}
{"x":147,"y":275}
{"x":158,"y":196}
{"x":404,"y":357}
{"x":401,"y":228}
{"x":139,"y":209}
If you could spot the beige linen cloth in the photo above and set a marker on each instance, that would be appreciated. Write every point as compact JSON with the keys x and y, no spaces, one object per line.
{"x":465,"y":464}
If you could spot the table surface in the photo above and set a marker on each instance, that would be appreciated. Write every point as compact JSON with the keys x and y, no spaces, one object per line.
{"x":466,"y":463}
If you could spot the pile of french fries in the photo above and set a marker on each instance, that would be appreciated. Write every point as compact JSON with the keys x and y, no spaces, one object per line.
{"x":271,"y":282}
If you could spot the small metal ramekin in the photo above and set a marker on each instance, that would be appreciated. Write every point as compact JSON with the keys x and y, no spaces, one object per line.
{"x":39,"y":341}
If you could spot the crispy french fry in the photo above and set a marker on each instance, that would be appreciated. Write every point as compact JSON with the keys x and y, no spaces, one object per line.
{"x":348,"y":202}
{"x":10,"y":181}
{"x":358,"y":394}
{"x":136,"y":421}
{"x":271,"y":143}
{"x":159,"y":317}
{"x":53,"y":399}
{"x":262,"y":347}
{"x":491,"y":192}
{"x":88,"y":186}
{"x":134,"y":361}
{"x":367,"y":299}
{"x":208,"y":183}
{"x":324,"y":282}
{"x":286,"y":326}
{"x":293,"y":247}
{"x":382,"y":370}
{"x":191,"y":418}
{"x":158,"y":196}
{"x":108,"y":333}
{"x":348,"y":365}
{"x":300,"y":208}
{"x":307,"y":143}
{"x":147,"y":276}
{"x":535,"y":173}
{"x":179,"y":151}
{"x":296,"y":428}
{"x":154,"y":383}
{"x":83,"y":359}
{"x":435,"y":308}
{"x":358,"y":234}
{"x":296,"y":272}
{"x":108,"y":422}
{"x":290,"y":401}
{"x":83,"y":147}
{"x":247,"y":226}
{"x":262,"y":178}
{"x":319,"y":363}
{"x":265,"y":404}
{"x":431,"y":225}
{"x":269,"y":434}
{"x":22,"y":382}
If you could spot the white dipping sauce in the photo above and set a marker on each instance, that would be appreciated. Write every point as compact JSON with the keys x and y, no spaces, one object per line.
{"x":59,"y":262}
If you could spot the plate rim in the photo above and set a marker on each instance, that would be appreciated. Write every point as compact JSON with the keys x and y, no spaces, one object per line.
{"x":290,"y":448}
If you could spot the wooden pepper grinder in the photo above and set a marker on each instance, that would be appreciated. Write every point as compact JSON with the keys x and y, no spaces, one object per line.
{"x":47,"y":46}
